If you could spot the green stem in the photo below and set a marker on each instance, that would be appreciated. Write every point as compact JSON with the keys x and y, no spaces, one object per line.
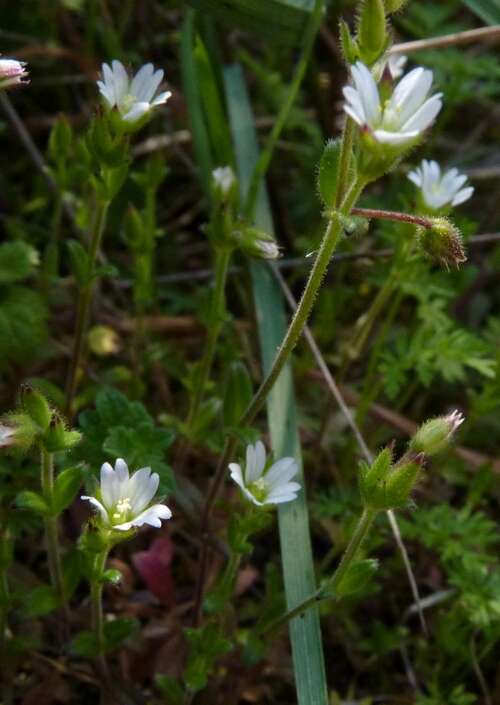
{"x":359,"y":535}
{"x":330,"y":240}
{"x":216,"y":318}
{"x":344,"y":161}
{"x":84,"y":301}
{"x":51,"y":529}
{"x":265,"y":158}
{"x":96,"y":589}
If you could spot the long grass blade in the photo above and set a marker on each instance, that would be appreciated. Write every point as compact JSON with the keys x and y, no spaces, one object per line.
{"x":487,"y":10}
{"x":298,"y":566}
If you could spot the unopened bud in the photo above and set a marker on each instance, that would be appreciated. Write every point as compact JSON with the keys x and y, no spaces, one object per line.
{"x":57,"y":438}
{"x":17,"y":432}
{"x":372,"y":31}
{"x":436,"y":435}
{"x":401,"y":482}
{"x":12,"y":72}
{"x":350,"y":49}
{"x":36,"y":406}
{"x":442,"y":242}
{"x":384,"y":485}
{"x":224,"y":181}
{"x":257,"y":243}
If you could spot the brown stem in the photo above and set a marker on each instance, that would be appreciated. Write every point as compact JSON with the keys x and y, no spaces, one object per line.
{"x":392,"y":215}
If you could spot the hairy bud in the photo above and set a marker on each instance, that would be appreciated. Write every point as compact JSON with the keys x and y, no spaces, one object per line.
{"x":442,"y":242}
{"x":256,"y":243}
{"x":435,"y":435}
{"x":372,"y":34}
{"x":36,"y":406}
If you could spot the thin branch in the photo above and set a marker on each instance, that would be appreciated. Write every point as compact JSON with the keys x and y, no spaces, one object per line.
{"x":457,"y":38}
{"x":336,"y":393}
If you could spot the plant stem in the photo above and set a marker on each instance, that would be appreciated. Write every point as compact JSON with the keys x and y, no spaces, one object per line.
{"x":216,"y":318}
{"x":266,"y":154}
{"x":359,"y":535}
{"x":344,"y":160}
{"x":51,"y":529}
{"x":396,"y":216}
{"x":96,"y":588}
{"x":330,"y":240}
{"x":84,"y":301}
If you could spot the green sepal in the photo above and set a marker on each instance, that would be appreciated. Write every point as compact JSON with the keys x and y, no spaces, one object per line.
{"x":350,"y":48}
{"x":36,"y":406}
{"x":372,"y":479}
{"x":328,"y":172}
{"x":372,"y":35}
{"x":401,"y":482}
{"x":357,"y":577}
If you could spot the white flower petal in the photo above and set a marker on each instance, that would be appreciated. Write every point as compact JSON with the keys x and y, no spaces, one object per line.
{"x":137,"y":111}
{"x":139,"y":489}
{"x":359,"y":119}
{"x":395,"y":138}
{"x":120,"y":81}
{"x":109,"y":485}
{"x":237,"y":474}
{"x":152,"y":516}
{"x":151,"y":85}
{"x":367,"y":91}
{"x":121,"y":469}
{"x":260,"y":459}
{"x":463,"y":196}
{"x":107,"y":93}
{"x":425,"y":115}
{"x":99,"y":506}
{"x":416,"y":177}
{"x":161,"y":98}
{"x":281,"y":472}
{"x":138,"y":87}
{"x":354,"y":101}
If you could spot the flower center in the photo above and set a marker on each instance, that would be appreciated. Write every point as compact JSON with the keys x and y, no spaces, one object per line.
{"x":123,"y":506}
{"x":259,"y":489}
{"x":127,"y":102}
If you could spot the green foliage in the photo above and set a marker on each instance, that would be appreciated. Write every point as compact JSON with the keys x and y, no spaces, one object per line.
{"x":23,"y":329}
{"x":118,"y":427}
{"x":18,"y":261}
{"x":206,"y":645}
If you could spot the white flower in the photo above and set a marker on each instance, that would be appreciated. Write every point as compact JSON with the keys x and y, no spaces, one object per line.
{"x":133,"y":98}
{"x":396,"y":64}
{"x":12,"y":72}
{"x":268,"y":249}
{"x":223,"y":178}
{"x":403,"y":117}
{"x":124,"y":500}
{"x":438,"y":189}
{"x":7,"y":434}
{"x":265,"y":486}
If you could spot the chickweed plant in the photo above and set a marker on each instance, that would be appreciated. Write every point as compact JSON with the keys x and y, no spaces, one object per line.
{"x":128,"y":385}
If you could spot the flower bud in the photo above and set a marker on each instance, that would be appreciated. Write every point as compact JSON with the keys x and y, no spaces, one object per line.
{"x":442,"y":242}
{"x":350,"y":49}
{"x":223,"y":182}
{"x":257,"y":243}
{"x":372,"y":479}
{"x":384,"y":485}
{"x":401,"y":482}
{"x":17,"y":432}
{"x":36,"y":406}
{"x":12,"y":72}
{"x":372,"y":31}
{"x":436,"y":435}
{"x":57,"y":438}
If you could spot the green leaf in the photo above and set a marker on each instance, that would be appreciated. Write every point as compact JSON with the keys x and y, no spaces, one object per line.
{"x":39,"y":602}
{"x":23,"y":330}
{"x":207,"y":643}
{"x":143,"y":446}
{"x":84,"y":644}
{"x":170,"y":689}
{"x":79,"y":261}
{"x":17,"y":261}
{"x":487,"y":10}
{"x":117,"y":631}
{"x":32,"y":501}
{"x":66,"y":486}
{"x":298,"y":566}
{"x":237,"y":394}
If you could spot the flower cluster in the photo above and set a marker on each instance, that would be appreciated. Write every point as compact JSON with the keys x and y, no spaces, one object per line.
{"x":402,"y":118}
{"x":438,"y":189}
{"x":133,"y":98}
{"x":263,"y":484}
{"x":123,"y":502}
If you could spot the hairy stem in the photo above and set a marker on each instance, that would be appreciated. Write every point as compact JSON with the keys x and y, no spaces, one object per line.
{"x":51,"y":529}
{"x":84,"y":301}
{"x":359,"y":535}
{"x":96,"y":588}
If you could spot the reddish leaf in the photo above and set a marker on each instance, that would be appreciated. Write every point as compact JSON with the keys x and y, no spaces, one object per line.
{"x":153,"y":566}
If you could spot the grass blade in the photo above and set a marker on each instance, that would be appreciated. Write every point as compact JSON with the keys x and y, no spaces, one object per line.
{"x":298,"y":567}
{"x":487,"y":10}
